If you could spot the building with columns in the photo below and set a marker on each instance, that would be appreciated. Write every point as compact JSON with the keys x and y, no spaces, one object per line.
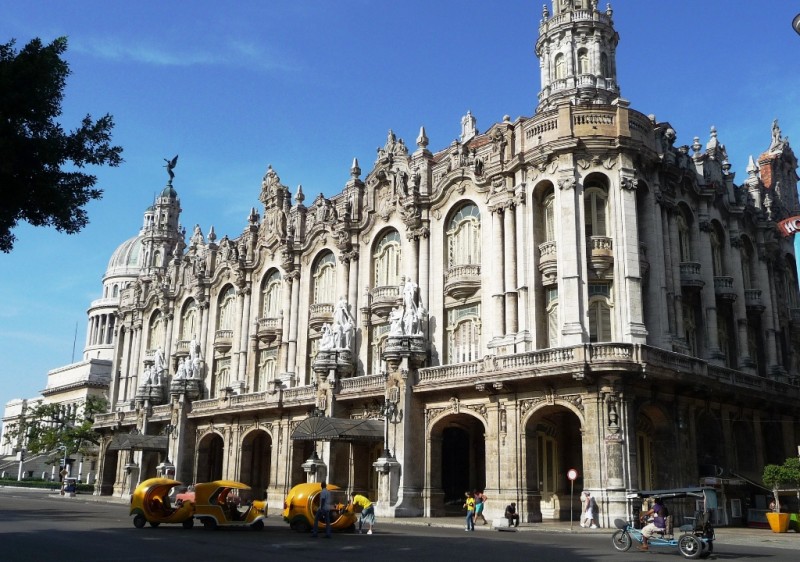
{"x":563,"y":290}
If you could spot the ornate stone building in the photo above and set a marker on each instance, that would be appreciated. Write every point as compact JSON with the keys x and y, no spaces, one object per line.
{"x":565,"y":290}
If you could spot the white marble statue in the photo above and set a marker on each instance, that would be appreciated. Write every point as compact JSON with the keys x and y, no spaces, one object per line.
{"x":396,"y":322}
{"x":326,"y":342}
{"x":158,"y":362}
{"x":343,"y":325}
{"x":181,"y":374}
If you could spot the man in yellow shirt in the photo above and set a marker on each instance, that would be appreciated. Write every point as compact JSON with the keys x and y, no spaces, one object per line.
{"x":367,"y":511}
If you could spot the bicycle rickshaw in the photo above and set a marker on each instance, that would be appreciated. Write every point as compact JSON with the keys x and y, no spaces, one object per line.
{"x":227,"y":503}
{"x":695,"y":538}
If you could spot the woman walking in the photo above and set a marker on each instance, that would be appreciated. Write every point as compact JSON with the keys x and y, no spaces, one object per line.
{"x":469,"y":505}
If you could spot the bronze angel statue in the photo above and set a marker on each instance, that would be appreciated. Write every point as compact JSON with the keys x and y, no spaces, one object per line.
{"x":171,"y":166}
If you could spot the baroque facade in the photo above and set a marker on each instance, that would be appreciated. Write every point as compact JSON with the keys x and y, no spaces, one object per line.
{"x":565,"y":290}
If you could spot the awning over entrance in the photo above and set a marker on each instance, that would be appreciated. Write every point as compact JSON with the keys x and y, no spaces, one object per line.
{"x":138,"y":442}
{"x":338,"y":429}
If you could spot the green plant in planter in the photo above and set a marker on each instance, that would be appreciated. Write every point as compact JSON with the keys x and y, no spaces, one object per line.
{"x":777,"y":476}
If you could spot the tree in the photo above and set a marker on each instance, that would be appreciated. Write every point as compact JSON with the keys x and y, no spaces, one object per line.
{"x":777,"y":476}
{"x":41,"y":181}
{"x":45,"y":428}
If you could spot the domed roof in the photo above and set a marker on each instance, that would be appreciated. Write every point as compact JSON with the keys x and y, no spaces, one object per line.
{"x":126,"y":258}
{"x":170,"y":192}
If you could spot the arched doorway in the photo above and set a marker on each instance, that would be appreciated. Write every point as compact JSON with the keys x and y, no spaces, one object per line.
{"x":553,"y":445}
{"x":256,"y":462}
{"x":458,"y":462}
{"x":209,"y":458}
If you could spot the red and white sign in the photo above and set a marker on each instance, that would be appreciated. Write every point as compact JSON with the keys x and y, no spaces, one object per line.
{"x":572,"y":474}
{"x":790,"y":225}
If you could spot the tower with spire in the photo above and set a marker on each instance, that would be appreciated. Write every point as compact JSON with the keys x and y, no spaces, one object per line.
{"x":577,"y":54}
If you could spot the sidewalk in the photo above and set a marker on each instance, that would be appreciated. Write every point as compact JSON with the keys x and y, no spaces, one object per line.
{"x":724,"y":535}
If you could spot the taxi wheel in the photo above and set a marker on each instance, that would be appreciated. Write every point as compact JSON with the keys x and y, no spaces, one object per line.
{"x":188,"y":524}
{"x":258,"y":525}
{"x":154,"y":524}
{"x":209,"y":524}
{"x":139,"y":521}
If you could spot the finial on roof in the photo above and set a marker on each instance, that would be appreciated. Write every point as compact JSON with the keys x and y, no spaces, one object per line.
{"x":299,"y":197}
{"x":713,"y":143}
{"x":211,"y":234}
{"x":545,"y":13}
{"x":609,"y":11}
{"x":751,"y":166}
{"x":355,"y":170}
{"x":422,"y":139}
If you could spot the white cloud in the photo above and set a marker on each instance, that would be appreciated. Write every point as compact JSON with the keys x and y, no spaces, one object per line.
{"x":236,"y":53}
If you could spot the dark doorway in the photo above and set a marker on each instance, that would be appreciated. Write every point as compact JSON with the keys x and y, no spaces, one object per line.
{"x":256,"y":458}
{"x":209,"y":459}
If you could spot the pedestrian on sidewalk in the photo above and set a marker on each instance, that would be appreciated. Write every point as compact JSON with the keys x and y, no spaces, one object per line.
{"x":480,"y":502}
{"x":469,"y":505}
{"x":589,"y":507}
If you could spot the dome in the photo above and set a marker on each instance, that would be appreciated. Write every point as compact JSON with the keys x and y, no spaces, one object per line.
{"x":169,"y":192}
{"x":126,"y":258}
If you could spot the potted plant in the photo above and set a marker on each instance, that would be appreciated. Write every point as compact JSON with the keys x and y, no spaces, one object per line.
{"x":778,"y":477}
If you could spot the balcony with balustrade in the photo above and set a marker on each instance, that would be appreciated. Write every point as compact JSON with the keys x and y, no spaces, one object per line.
{"x":382,"y":299}
{"x":692,"y":275}
{"x":462,"y":281}
{"x":223,"y":340}
{"x":724,"y":289}
{"x":548,"y":262}
{"x":320,"y":313}
{"x":600,"y":250}
{"x":269,"y":329}
{"x":752,"y":300}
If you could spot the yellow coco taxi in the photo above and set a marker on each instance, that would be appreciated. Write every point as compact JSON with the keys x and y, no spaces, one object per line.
{"x":301,"y":505}
{"x":150,"y":504}
{"x":228,"y":503}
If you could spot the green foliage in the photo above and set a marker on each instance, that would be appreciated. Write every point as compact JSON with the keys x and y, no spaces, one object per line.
{"x":46,"y":428}
{"x":40,"y":178}
{"x":39,"y":483}
{"x":784,"y":475}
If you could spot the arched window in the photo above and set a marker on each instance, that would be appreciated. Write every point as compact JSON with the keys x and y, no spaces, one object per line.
{"x":271,"y":295}
{"x":464,"y":237}
{"x":552,"y":317}
{"x":561,"y":66}
{"x":157,"y":259}
{"x":463,"y":333}
{"x":790,"y":284}
{"x":724,"y":339}
{"x":267,"y":367}
{"x":189,"y":321}
{"x":583,"y":61}
{"x":156,"y":334}
{"x":115,"y":293}
{"x":378,"y":336}
{"x":599,"y":313}
{"x":548,"y":214}
{"x":324,"y":277}
{"x":221,"y":376}
{"x":716,"y":253}
{"x":604,"y":65}
{"x":226,"y":310}
{"x":387,"y":260}
{"x":684,"y":239}
{"x":747,"y":256}
{"x":594,"y":199}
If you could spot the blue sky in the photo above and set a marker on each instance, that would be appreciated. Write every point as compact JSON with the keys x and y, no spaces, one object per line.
{"x":307,"y":85}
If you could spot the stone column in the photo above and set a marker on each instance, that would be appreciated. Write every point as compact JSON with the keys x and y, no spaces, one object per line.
{"x":708,"y":295}
{"x":286,"y":305}
{"x":571,"y":254}
{"x":497,"y":276}
{"x":343,"y":276}
{"x":768,"y":295}
{"x":523,"y":279}
{"x":424,"y":269}
{"x":626,"y":249}
{"x":412,"y":261}
{"x":733,"y":257}
{"x":510,"y":268}
{"x":293,"y":323}
{"x":673,"y":265}
{"x":244,"y":336}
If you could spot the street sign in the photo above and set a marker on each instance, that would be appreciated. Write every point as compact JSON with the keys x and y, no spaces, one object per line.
{"x":572,"y":474}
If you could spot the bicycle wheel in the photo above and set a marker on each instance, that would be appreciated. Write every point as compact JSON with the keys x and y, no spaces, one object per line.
{"x":621,"y":541}
{"x":690,"y":546}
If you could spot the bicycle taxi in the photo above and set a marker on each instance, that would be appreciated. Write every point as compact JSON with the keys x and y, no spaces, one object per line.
{"x":150,"y":503}
{"x":695,"y":536}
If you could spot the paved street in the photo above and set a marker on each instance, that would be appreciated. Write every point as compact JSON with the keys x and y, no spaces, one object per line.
{"x":36,"y":525}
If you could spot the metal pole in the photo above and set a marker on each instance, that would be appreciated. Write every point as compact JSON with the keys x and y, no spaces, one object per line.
{"x":571,"y":501}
